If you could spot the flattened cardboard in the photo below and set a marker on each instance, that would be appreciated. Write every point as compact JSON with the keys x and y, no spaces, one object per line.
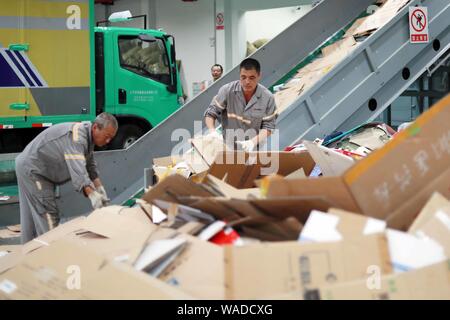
{"x":437,"y":228}
{"x":209,"y":148}
{"x":226,"y":190}
{"x":398,"y":179}
{"x":338,"y":225}
{"x":297,"y":174}
{"x":436,"y":202}
{"x":333,"y":189}
{"x":344,"y":44}
{"x":429,"y":283}
{"x":408,"y":252}
{"x":11,"y":260}
{"x":405,"y":214}
{"x":167,"y":161}
{"x":191,"y":228}
{"x":380,"y":17}
{"x":156,"y":251}
{"x":59,"y":232}
{"x":173,"y":187}
{"x":118,"y":281}
{"x":45,"y":274}
{"x":259,"y":270}
{"x":195,"y":275}
{"x":110,"y":225}
{"x":297,"y":207}
{"x":331,"y":162}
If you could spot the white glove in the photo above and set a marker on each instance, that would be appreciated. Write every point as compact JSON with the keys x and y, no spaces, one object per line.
{"x":105,"y":200}
{"x":96,"y":199}
{"x":213,"y":135}
{"x":246,"y":145}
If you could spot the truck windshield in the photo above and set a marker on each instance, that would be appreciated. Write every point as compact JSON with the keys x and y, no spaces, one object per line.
{"x":148,"y":59}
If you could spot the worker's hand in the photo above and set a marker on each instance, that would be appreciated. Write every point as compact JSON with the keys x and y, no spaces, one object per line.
{"x":213,"y":135}
{"x":105,"y":200}
{"x":96,"y":199}
{"x":247,"y":145}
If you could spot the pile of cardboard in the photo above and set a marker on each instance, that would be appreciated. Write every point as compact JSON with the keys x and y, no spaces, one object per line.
{"x":259,"y":226}
{"x":334,"y":53}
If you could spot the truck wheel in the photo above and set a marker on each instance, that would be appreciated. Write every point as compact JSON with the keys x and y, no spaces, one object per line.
{"x":126,"y":136}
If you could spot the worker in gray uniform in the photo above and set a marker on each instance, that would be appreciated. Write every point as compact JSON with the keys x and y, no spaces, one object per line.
{"x":245,"y":108}
{"x":60,"y":153}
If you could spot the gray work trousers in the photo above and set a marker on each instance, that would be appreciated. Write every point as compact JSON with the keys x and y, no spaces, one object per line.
{"x":38,"y":210}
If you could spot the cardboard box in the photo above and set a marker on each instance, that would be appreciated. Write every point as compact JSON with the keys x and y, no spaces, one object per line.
{"x":59,"y":232}
{"x":331,"y":162}
{"x":338,"y":225}
{"x":199,"y":270}
{"x":118,"y":281}
{"x":233,"y":207}
{"x":116,"y":236}
{"x":241,"y":169}
{"x":408,"y":252}
{"x":430,"y":283}
{"x":43,"y":274}
{"x":394,"y":182}
{"x":10,"y":260}
{"x":437,"y":229}
{"x":263,"y":270}
{"x":52,"y":273}
{"x":436,"y":202}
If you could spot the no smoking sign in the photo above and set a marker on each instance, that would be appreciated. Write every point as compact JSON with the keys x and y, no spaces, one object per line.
{"x":418,"y":25}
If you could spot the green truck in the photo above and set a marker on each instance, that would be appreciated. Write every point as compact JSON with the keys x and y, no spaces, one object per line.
{"x":57,"y":66}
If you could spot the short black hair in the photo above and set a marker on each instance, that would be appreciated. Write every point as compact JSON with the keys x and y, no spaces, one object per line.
{"x":249,"y":64}
{"x":217,"y":65}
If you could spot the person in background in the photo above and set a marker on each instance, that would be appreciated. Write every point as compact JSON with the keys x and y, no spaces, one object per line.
{"x":216,"y":71}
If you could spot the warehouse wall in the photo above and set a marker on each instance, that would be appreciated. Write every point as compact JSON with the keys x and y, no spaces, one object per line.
{"x":192,"y":24}
{"x":270,"y":22}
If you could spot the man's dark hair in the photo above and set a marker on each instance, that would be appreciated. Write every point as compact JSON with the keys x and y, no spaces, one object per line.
{"x":249,"y":64}
{"x":217,"y":65}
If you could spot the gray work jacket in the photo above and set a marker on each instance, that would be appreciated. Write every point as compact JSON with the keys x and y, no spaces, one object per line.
{"x":61,"y":153}
{"x":230,"y":108}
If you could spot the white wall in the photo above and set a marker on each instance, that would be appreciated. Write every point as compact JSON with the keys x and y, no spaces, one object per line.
{"x":270,"y":22}
{"x":192,"y":25}
{"x":137,"y":7}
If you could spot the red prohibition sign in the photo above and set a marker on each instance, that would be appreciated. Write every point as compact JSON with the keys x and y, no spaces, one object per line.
{"x":418,"y":19}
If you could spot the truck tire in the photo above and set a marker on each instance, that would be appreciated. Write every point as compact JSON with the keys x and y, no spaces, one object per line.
{"x":126,"y":136}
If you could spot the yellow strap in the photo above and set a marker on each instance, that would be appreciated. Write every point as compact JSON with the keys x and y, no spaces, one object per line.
{"x":235,"y":116}
{"x":218,"y":104}
{"x":271,"y":116}
{"x":75,"y":133}
{"x":74,"y":157}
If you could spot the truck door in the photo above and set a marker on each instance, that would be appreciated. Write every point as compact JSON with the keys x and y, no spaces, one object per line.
{"x":141,"y":76}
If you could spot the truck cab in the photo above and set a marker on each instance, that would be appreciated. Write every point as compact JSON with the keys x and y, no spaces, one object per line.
{"x":136,"y":79}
